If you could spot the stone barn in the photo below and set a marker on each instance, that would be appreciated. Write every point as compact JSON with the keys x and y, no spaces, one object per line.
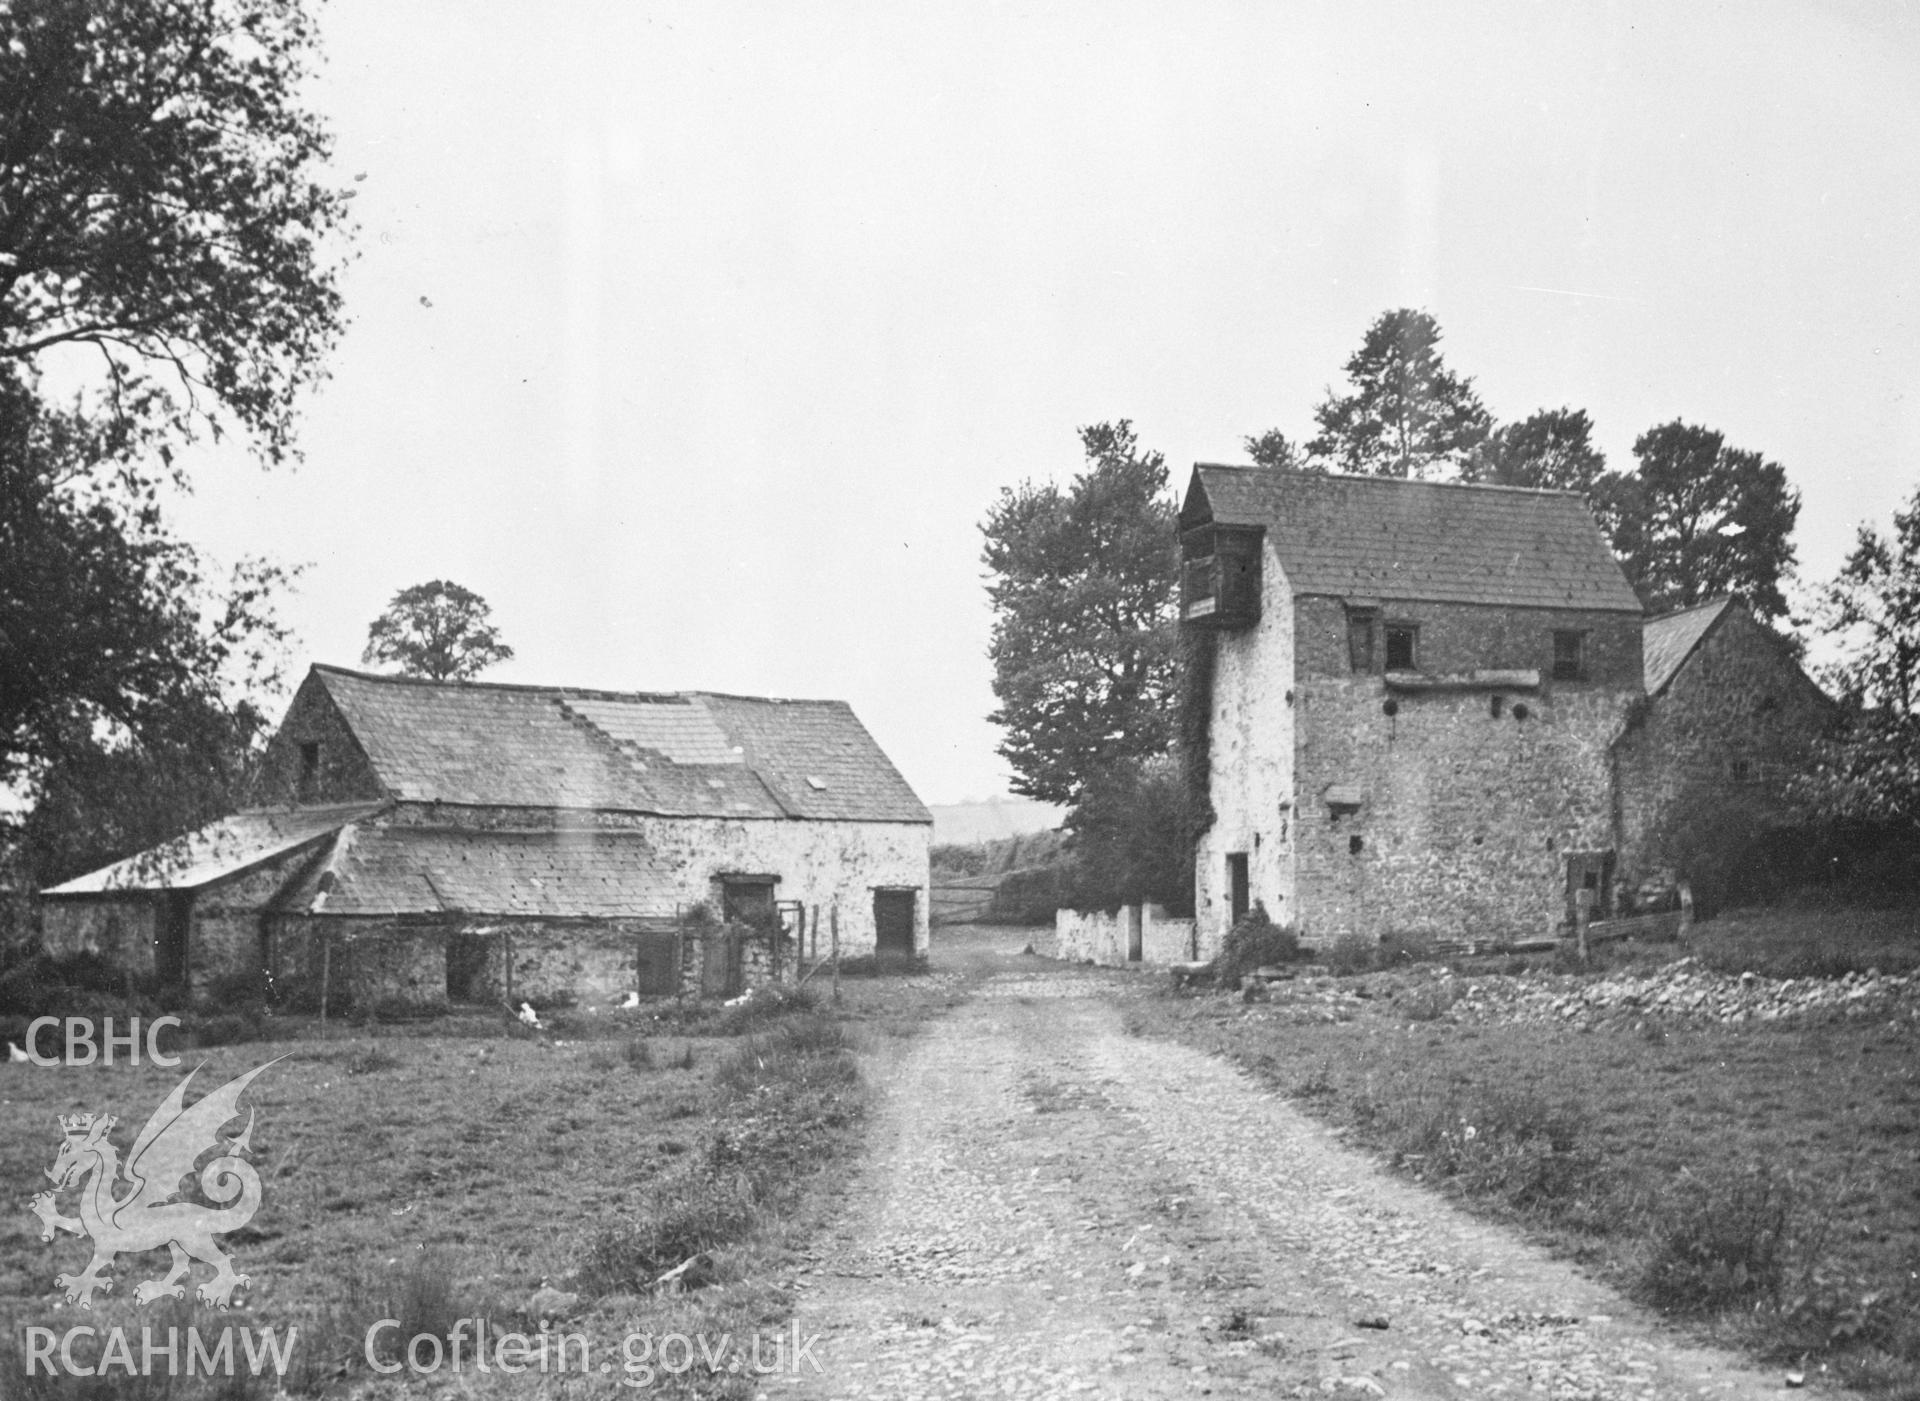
{"x":1412,"y":691}
{"x":1729,"y":717}
{"x":420,"y":841}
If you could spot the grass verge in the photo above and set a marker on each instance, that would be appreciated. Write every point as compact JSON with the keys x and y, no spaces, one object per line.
{"x":536,"y":1188}
{"x":1761,"y":1180}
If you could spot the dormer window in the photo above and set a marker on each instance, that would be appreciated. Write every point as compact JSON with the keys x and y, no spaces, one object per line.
{"x":1402,"y":647}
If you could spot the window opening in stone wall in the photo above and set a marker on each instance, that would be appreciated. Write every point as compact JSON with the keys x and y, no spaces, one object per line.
{"x":1743,"y":770}
{"x":1356,"y":844}
{"x":1237,"y":891}
{"x":309,"y":768}
{"x":1360,"y":623}
{"x":1401,"y":646}
{"x":1568,"y":656}
{"x":1496,"y":706}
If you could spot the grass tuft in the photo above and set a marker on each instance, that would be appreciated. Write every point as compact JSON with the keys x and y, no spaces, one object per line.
{"x":1721,"y":1238}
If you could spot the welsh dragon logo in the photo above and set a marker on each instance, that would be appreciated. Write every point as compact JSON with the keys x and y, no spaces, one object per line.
{"x":146,"y":1217}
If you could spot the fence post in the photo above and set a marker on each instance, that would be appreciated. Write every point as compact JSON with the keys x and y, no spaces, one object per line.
{"x":1582,"y":917}
{"x":1686,"y":907}
{"x":326,"y":973}
{"x":835,"y":915}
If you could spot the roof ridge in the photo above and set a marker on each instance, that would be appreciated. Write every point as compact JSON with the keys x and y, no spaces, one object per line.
{"x":1722,"y":601}
{"x":584,"y":692}
{"x":1545,"y":491}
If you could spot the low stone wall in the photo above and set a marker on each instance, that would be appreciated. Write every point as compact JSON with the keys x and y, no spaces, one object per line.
{"x":1111,"y":938}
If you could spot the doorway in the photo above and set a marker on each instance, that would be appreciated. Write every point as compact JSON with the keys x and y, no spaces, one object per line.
{"x":1590,"y":870}
{"x":170,"y":945}
{"x":893,"y":921}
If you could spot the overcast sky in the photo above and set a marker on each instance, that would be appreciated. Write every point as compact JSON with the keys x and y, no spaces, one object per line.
{"x":699,"y":338}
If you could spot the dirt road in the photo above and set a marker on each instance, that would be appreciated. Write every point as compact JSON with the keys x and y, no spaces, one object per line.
{"x":1052,"y":1208}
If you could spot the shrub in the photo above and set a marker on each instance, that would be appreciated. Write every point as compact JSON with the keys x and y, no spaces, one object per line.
{"x":1350,"y":954}
{"x":422,"y":1294}
{"x":1721,"y":1238}
{"x":1255,"y":942}
{"x":763,"y":1006}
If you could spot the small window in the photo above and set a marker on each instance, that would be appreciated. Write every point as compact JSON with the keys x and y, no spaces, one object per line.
{"x":1402,"y":650}
{"x":1360,"y":639}
{"x":1743,"y":770}
{"x":1569,"y":659}
{"x":309,"y":767}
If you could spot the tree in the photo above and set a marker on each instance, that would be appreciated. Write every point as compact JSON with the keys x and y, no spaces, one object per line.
{"x":107,"y":797}
{"x":437,"y":630}
{"x":1697,"y":519}
{"x":1407,"y":414}
{"x":1133,"y":837}
{"x":1872,"y":608}
{"x":1869,"y":772}
{"x":160,"y":206}
{"x":1277,"y":452}
{"x":1552,"y":448}
{"x":1083,"y":583}
{"x":108,"y":626}
{"x":165,"y":237}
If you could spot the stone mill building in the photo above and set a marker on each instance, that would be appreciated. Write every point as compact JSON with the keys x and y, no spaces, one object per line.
{"x":1429,"y":707}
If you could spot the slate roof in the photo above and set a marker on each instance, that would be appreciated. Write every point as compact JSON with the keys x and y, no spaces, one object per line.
{"x":1670,"y":639}
{"x":217,"y":851}
{"x":1382,"y":537}
{"x":687,"y":754}
{"x":432,"y":870}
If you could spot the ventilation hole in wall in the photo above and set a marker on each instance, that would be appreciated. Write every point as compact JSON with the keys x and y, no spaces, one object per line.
{"x":1355,"y":844}
{"x":1289,"y":697}
{"x":1520,"y":712}
{"x":1496,"y":705}
{"x":1549,"y":843}
{"x":1390,"y":707}
{"x":1479,"y":841}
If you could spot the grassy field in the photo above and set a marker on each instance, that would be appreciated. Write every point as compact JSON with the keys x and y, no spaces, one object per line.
{"x":1761,"y":1180}
{"x":452,"y":1170}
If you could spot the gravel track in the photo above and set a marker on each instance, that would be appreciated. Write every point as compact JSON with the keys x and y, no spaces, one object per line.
{"x":1051,"y":1208}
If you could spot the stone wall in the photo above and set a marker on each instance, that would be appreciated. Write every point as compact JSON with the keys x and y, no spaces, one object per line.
{"x":1462,"y":637}
{"x":122,"y":930}
{"x":343,"y":774}
{"x":1107,"y":937}
{"x":1716,"y":746}
{"x":1251,"y":764}
{"x":1468,"y":805}
{"x":824,"y":864}
{"x":227,"y":934}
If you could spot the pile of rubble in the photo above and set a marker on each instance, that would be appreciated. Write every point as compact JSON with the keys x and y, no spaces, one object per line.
{"x":1687,"y":992}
